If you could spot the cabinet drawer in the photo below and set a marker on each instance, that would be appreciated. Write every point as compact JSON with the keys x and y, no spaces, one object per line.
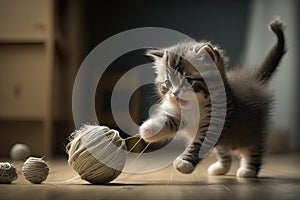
{"x":24,"y":19}
{"x":23,"y":81}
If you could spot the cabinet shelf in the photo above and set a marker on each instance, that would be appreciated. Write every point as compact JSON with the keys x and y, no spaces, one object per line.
{"x":22,"y":40}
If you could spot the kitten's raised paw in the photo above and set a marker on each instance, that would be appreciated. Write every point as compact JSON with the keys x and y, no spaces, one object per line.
{"x":149,"y":129}
{"x":246,"y":173}
{"x":217,"y":169}
{"x":183,"y":166}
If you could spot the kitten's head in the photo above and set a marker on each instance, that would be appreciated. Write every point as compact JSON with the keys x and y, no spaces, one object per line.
{"x":178,"y":71}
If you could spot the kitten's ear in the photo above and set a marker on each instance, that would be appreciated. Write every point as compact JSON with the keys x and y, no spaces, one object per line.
{"x":155,"y":54}
{"x":207,"y":49}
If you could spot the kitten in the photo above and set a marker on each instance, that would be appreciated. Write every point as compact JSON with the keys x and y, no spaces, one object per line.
{"x":248,"y":104}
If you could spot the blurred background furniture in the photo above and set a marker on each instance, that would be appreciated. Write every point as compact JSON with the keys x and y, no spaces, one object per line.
{"x":38,"y":62}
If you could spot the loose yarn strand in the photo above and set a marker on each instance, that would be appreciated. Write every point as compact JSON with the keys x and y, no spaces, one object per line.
{"x":139,"y":155}
{"x":133,"y":145}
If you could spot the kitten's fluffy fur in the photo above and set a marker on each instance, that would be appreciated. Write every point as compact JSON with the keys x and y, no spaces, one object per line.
{"x":248,"y":104}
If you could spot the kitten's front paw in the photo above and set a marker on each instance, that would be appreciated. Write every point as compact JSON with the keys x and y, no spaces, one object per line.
{"x":183,"y":166}
{"x":149,"y":129}
{"x":217,"y":169}
{"x":245,"y":173}
{"x":146,"y":130}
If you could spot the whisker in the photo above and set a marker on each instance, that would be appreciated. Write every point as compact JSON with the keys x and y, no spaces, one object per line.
{"x":155,"y":101}
{"x":153,"y":96}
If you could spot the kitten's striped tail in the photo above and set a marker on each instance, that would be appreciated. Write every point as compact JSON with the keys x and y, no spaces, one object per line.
{"x":276,"y":53}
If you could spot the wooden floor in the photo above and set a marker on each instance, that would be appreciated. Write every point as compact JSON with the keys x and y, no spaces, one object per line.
{"x":279,"y":179}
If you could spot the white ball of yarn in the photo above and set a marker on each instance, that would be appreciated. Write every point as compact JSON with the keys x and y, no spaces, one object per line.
{"x":20,"y":152}
{"x":97,"y":153}
{"x":8,"y":172}
{"x":35,"y":170}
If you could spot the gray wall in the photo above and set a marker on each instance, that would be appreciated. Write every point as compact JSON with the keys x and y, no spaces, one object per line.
{"x":285,"y":82}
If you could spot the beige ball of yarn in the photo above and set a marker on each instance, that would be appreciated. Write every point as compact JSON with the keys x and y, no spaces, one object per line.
{"x":97,"y":153}
{"x":20,"y":152}
{"x":35,"y":170}
{"x":8,"y":172}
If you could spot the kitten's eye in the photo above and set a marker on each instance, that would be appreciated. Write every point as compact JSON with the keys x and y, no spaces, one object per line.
{"x":188,"y":82}
{"x":168,"y":84}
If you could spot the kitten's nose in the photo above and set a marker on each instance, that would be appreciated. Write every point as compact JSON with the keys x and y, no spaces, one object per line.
{"x":176,"y":92}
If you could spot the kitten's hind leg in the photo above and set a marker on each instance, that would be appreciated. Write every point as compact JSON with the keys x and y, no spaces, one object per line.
{"x":250,"y":162}
{"x":223,"y":164}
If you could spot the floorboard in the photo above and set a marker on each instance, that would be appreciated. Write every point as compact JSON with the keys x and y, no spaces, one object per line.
{"x":279,"y":179}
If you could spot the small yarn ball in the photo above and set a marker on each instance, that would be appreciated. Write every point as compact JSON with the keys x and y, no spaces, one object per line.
{"x":97,"y":153}
{"x":8,"y":172}
{"x":35,"y":170}
{"x":20,"y":152}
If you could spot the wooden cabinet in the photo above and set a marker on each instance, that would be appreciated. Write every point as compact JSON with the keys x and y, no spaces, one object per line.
{"x":23,"y":81}
{"x":26,"y":74}
{"x":26,"y":21}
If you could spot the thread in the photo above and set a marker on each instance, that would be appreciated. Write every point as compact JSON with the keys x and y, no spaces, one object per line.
{"x":8,"y":172}
{"x":95,"y":153}
{"x":35,"y":170}
{"x":20,"y":152}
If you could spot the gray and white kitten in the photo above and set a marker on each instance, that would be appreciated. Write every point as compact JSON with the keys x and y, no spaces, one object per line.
{"x":248,"y":104}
